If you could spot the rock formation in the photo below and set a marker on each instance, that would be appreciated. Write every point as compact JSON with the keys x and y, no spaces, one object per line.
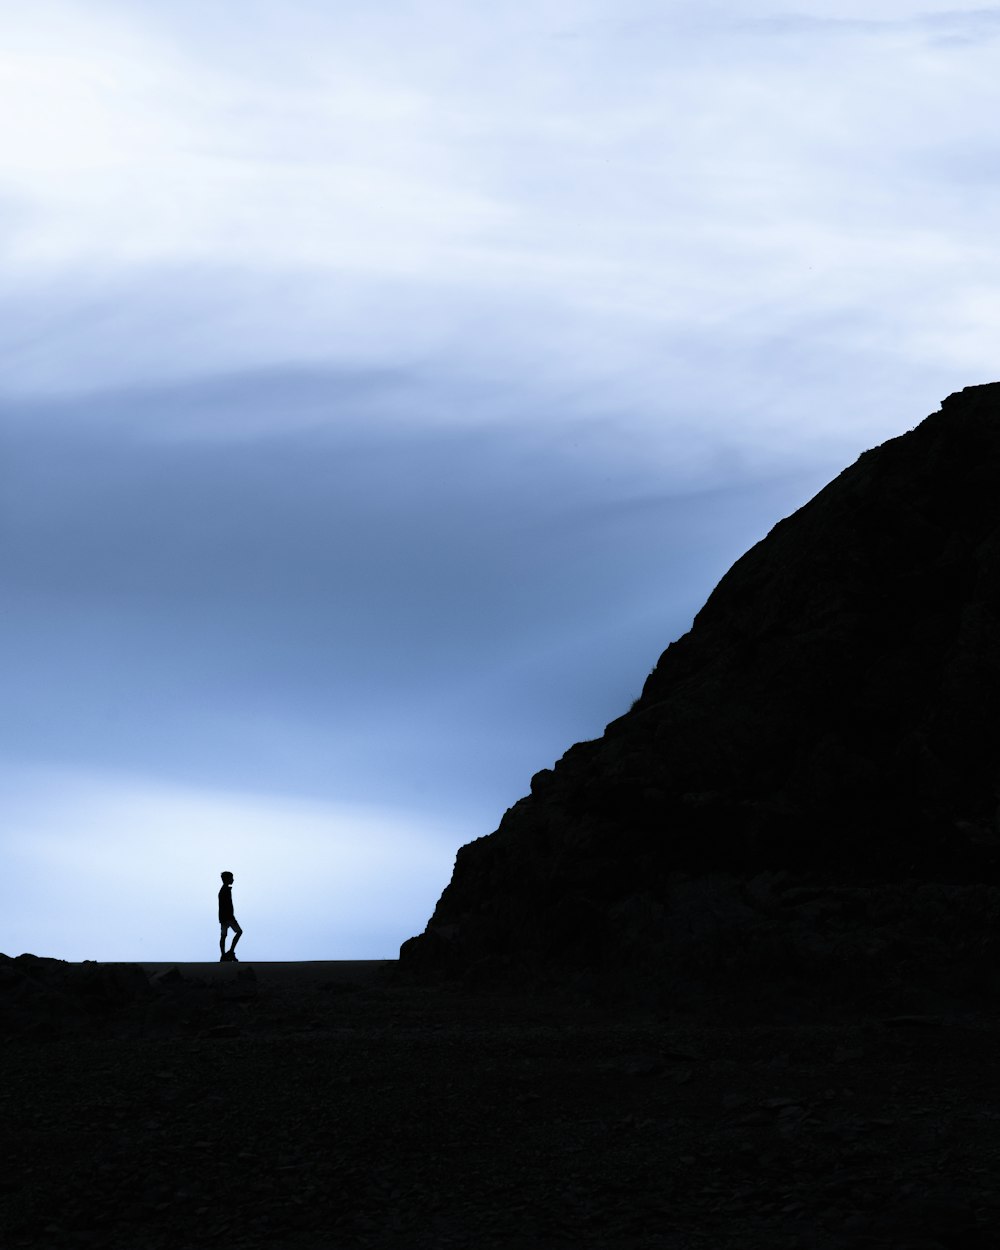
{"x":825,"y":739}
{"x":44,"y":1000}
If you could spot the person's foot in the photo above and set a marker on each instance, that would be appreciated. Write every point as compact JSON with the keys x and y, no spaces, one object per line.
{"x":232,"y":956}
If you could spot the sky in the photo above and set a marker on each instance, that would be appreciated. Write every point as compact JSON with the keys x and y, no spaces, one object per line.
{"x":383,"y":387}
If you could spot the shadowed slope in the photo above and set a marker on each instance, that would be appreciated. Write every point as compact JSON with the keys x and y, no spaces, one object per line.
{"x":832,"y":711}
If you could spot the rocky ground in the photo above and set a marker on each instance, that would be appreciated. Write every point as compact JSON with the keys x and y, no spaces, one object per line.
{"x":185,"y":1114}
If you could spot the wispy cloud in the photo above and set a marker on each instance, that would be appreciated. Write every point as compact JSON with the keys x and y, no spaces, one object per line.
{"x":948,"y":26}
{"x":321,"y":598}
{"x":563,"y":195}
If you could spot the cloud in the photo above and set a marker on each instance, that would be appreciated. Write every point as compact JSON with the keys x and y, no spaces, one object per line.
{"x":948,"y":26}
{"x":144,"y":149}
{"x":566,"y":196}
{"x":314,"y":593}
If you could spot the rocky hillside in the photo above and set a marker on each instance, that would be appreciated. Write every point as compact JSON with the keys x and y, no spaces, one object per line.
{"x":825,"y":736}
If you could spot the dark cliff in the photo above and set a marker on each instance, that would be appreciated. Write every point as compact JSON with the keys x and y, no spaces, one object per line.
{"x":832,"y":716}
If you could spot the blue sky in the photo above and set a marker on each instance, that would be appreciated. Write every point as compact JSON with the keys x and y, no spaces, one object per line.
{"x":383,"y":387}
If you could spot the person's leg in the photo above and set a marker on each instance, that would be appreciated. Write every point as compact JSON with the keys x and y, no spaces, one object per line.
{"x":222,"y":938}
{"x":237,"y":934}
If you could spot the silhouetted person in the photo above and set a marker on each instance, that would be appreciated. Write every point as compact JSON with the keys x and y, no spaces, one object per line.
{"x":227,"y":919}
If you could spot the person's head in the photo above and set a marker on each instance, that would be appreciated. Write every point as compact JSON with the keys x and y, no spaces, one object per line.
{"x":228,"y":878}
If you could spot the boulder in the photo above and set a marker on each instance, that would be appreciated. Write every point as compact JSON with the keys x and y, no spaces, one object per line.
{"x":44,"y":998}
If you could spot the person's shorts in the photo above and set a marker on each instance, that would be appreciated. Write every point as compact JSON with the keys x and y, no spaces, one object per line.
{"x":229,"y":923}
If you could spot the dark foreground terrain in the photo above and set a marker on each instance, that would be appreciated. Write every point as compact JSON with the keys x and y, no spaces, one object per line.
{"x":170,"y":1110}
